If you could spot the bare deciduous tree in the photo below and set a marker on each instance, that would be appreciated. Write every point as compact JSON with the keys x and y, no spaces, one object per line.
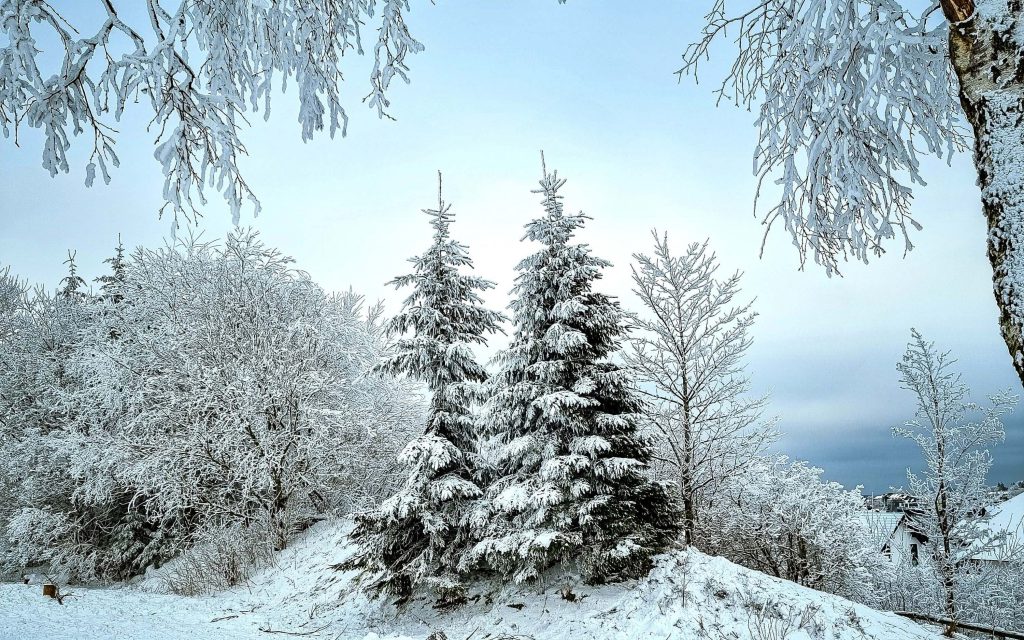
{"x":689,"y":354}
{"x":950,"y":491}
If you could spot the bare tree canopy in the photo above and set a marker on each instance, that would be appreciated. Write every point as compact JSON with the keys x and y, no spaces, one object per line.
{"x":689,"y":354}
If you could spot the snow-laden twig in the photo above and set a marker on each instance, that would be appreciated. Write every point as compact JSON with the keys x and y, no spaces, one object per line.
{"x":201,"y":67}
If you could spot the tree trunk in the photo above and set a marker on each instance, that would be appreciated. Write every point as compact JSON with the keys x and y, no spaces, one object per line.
{"x":985,"y":47}
{"x":949,"y":591}
{"x":946,"y":567}
{"x":689,"y":510}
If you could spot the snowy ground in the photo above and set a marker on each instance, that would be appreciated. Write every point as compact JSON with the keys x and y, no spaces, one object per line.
{"x":114,"y":614}
{"x":688,"y":596}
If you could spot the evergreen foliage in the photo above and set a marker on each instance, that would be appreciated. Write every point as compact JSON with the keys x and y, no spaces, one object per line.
{"x":415,"y":535}
{"x":72,"y":285}
{"x":110,"y":284}
{"x":570,"y":481}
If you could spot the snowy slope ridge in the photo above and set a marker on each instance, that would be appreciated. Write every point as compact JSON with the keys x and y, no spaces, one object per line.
{"x":688,"y":595}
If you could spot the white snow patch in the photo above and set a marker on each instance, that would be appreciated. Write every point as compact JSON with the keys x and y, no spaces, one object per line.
{"x":688,"y":595}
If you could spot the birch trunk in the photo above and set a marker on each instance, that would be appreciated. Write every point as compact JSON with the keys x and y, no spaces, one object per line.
{"x":985,"y":46}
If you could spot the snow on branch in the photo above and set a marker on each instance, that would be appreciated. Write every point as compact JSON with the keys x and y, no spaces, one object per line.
{"x":201,"y":66}
{"x":851,"y":93}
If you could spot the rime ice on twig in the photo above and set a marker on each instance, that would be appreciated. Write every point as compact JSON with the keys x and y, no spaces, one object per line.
{"x":201,"y":67}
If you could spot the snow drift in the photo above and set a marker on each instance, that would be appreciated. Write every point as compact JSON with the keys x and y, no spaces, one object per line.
{"x":688,"y":595}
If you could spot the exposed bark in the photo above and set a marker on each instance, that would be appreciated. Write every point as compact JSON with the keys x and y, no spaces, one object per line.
{"x":985,"y":46}
{"x":957,"y":10}
{"x":946,"y":568}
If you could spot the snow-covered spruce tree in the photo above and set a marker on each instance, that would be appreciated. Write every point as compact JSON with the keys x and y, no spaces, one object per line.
{"x":199,"y":67}
{"x":951,"y":490}
{"x":570,"y":478}
{"x":853,"y":91}
{"x":72,"y":286}
{"x":13,"y":303}
{"x":111,"y":283}
{"x":414,"y":537}
{"x":689,"y":350}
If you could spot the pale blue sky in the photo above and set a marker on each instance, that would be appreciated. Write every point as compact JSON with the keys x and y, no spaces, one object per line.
{"x":591,"y":83}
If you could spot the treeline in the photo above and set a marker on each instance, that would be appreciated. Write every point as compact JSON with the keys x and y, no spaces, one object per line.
{"x":201,"y":386}
{"x":212,"y":392}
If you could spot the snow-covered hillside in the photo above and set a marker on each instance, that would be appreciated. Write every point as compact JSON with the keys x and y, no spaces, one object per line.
{"x":689,"y":595}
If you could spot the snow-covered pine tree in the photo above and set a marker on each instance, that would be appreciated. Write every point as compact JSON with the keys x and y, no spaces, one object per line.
{"x":570,"y":481}
{"x":110,"y":284}
{"x":72,"y":284}
{"x":416,"y":535}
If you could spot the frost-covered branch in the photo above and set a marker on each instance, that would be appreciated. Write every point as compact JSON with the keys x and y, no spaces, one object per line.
{"x":850,"y":94}
{"x":689,"y":351}
{"x":200,"y":67}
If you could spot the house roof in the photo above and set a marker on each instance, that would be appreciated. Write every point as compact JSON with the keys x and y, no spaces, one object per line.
{"x":1010,"y":514}
{"x":1007,"y":518}
{"x":881,"y":525}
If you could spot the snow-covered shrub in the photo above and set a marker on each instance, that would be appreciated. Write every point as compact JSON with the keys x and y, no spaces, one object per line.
{"x":780,"y":518}
{"x":994,"y":593}
{"x":989,"y":592}
{"x":910,"y":587}
{"x":207,"y":386}
{"x":50,"y":514}
{"x":219,"y":559}
{"x":37,"y":536}
{"x":245,"y":391}
{"x":13,"y":304}
{"x":770,"y":620}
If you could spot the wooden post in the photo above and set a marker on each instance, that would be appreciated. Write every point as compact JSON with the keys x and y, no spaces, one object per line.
{"x":995,"y":632}
{"x":50,"y":590}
